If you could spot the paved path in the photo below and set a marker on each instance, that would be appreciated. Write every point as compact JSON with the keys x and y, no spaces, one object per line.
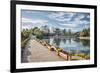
{"x":39,"y":53}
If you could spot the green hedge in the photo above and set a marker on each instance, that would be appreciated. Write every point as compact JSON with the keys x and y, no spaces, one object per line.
{"x":24,"y":42}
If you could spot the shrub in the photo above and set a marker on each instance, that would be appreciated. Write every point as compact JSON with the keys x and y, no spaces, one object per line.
{"x":23,"y":43}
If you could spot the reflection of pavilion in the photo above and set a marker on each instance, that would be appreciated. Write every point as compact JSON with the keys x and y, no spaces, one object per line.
{"x":56,"y":41}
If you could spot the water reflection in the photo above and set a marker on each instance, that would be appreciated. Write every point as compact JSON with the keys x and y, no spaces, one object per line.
{"x":72,"y":45}
{"x":57,"y":41}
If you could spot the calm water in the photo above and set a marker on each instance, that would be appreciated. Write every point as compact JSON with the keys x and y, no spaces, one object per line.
{"x":71,"y":45}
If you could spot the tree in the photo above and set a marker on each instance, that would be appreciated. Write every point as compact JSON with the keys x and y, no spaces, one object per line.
{"x":34,"y":29}
{"x":85,"y":32}
{"x":69,"y":32}
{"x":57,"y":31}
{"x":25,"y":34}
{"x":64,"y":31}
{"x":38,"y":33}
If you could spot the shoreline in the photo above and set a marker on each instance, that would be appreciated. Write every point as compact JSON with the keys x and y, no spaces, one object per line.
{"x":85,"y":38}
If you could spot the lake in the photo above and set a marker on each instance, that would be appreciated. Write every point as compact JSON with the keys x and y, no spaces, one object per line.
{"x":69,"y":44}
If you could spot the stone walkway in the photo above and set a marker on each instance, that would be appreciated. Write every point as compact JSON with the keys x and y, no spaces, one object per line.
{"x":39,"y":53}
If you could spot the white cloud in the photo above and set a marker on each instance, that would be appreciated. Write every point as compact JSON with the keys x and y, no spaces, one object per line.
{"x":34,"y":21}
{"x":57,"y":14}
{"x":68,"y":16}
{"x":81,"y":16}
{"x":88,"y":16}
{"x":26,"y":20}
{"x":67,"y":21}
{"x":69,"y":25}
{"x":84,"y":22}
{"x":60,"y":16}
{"x":30,"y":23}
{"x":75,"y":24}
{"x":30,"y":11}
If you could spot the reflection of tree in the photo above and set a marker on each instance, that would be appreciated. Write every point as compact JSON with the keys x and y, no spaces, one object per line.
{"x":46,"y":38}
{"x":69,"y":39}
{"x":85,"y":51}
{"x":64,"y":41}
{"x":57,"y":41}
{"x":76,"y":39}
{"x":72,"y":52}
{"x":85,"y":42}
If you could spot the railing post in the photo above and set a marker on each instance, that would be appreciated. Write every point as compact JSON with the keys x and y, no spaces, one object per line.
{"x":68,"y":57}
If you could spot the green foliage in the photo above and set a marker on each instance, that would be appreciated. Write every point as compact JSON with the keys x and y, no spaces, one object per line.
{"x":35,"y":31}
{"x":82,"y":55}
{"x":23,"y":43}
{"x":24,"y":37}
{"x":57,"y":31}
{"x":38,"y":33}
{"x":58,"y":49}
{"x":69,"y":32}
{"x":85,"y":32}
{"x":64,"y":32}
{"x":25,"y":34}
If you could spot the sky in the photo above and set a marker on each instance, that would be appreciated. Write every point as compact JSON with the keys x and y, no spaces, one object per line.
{"x":76,"y":21}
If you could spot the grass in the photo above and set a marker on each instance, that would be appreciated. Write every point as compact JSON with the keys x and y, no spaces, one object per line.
{"x":59,"y":49}
{"x":82,"y":55}
{"x":24,"y":42}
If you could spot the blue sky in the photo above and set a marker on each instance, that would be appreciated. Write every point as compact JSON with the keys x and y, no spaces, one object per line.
{"x":64,"y":20}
